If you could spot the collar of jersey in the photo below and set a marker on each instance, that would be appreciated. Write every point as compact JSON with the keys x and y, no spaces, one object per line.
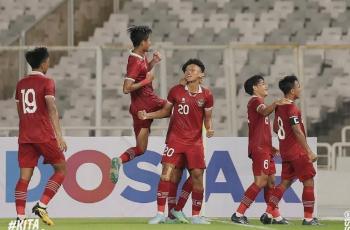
{"x":136,"y":55}
{"x":199,"y":91}
{"x":36,"y":73}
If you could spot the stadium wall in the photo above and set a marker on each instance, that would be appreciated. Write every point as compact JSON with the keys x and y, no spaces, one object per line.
{"x":87,"y":191}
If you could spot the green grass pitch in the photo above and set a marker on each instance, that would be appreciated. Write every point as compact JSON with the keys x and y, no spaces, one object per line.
{"x":141,"y":224}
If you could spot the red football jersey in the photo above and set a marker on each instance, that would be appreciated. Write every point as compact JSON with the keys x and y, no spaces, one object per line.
{"x":186,"y":121}
{"x":145,"y":97}
{"x":34,"y":121}
{"x":260,"y":138}
{"x":285,"y":117}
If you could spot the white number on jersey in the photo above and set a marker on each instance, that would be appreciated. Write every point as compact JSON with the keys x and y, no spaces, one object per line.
{"x":281,"y":133}
{"x":168,"y":151}
{"x":266,"y":164}
{"x":28,"y":106}
{"x":183,"y":109}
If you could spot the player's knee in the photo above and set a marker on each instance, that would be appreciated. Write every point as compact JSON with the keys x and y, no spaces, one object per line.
{"x":176,"y":175}
{"x":60,"y":168}
{"x":261,"y":182}
{"x":164,"y":177}
{"x":309,"y":182}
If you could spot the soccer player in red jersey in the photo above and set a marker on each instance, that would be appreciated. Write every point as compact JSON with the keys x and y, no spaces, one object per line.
{"x":191,"y":105}
{"x":297,"y":157}
{"x":39,"y":133}
{"x":260,"y":147}
{"x":138,"y":82}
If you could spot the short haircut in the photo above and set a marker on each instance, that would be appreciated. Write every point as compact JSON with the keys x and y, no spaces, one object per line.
{"x":193,"y":61}
{"x":37,"y":56}
{"x":252,"y":81}
{"x":139,"y":34}
{"x":287,"y":83}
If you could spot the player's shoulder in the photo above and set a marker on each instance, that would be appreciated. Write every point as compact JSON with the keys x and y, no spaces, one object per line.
{"x":207,"y":91}
{"x":177,"y":88}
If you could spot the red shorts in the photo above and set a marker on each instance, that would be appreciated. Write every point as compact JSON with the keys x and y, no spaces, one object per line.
{"x":300,"y":168}
{"x":181,"y":155}
{"x":29,"y":153}
{"x":263,"y":163}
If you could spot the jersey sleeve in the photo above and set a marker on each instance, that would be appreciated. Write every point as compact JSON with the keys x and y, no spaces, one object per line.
{"x":50,"y":88}
{"x":132,"y":69}
{"x":171,"y":96}
{"x":258,"y":103}
{"x":293,"y":115}
{"x":209,"y":103}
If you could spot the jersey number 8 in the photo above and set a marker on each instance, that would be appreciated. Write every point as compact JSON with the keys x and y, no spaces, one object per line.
{"x":28,"y":106}
{"x":281,"y":133}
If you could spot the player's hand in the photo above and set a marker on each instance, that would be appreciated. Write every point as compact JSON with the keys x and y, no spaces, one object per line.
{"x":210,"y":133}
{"x":142,"y":115}
{"x":313,"y":157}
{"x":149,"y":77}
{"x":275,"y":152}
{"x":283,"y":101}
{"x":61,"y":144}
{"x":183,"y":81}
{"x":156,"y":57}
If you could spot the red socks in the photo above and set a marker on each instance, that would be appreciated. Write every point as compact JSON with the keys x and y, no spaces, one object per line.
{"x":248,"y":198}
{"x":197,"y":199}
{"x":162,"y":194}
{"x":275,"y":196}
{"x":130,"y":154}
{"x":185,"y":193}
{"x":172,"y":198}
{"x":52,"y":187}
{"x":267,"y":193}
{"x":21,"y":196}
{"x":308,"y":201}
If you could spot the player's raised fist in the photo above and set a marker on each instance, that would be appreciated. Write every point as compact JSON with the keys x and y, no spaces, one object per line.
{"x":210,"y":133}
{"x":157,"y":57}
{"x":142,"y":115}
{"x":61,"y":144}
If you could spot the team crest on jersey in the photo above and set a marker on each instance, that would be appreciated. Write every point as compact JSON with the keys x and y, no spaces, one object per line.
{"x":183,"y":101}
{"x":200,"y":102}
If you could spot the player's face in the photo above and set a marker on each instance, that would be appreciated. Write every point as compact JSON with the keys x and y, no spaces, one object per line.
{"x":45,"y":65}
{"x":261,"y":89}
{"x":297,"y":89}
{"x":146,"y":44}
{"x":193,"y":73}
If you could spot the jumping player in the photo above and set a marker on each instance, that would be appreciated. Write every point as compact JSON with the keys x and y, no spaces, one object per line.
{"x":138,"y":82}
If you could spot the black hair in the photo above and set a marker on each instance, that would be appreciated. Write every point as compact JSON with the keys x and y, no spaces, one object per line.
{"x":139,"y":34}
{"x":287,"y":83}
{"x":37,"y":56}
{"x":193,"y":61}
{"x":252,"y":81}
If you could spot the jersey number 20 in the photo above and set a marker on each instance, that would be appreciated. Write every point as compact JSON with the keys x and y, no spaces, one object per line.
{"x":183,"y":109}
{"x":28,"y":106}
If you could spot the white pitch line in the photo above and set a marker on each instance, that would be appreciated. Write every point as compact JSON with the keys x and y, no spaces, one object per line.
{"x":242,"y":225}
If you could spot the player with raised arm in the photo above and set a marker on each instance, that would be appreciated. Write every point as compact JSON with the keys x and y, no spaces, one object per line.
{"x":138,"y":83}
{"x":297,"y":157}
{"x":260,"y":148}
{"x":39,"y":133}
{"x":191,"y":105}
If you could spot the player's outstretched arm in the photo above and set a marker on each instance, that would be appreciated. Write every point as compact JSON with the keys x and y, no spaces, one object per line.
{"x":130,"y":85}
{"x":162,"y":113}
{"x":267,"y":110}
{"x":208,"y":122}
{"x":302,"y":140}
{"x":53,"y":113}
{"x":156,"y":59}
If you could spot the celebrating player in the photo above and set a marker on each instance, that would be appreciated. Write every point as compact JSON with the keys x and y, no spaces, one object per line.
{"x":191,"y":105}
{"x":138,"y":83}
{"x":260,"y":148}
{"x":39,"y":133}
{"x":297,"y":157}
